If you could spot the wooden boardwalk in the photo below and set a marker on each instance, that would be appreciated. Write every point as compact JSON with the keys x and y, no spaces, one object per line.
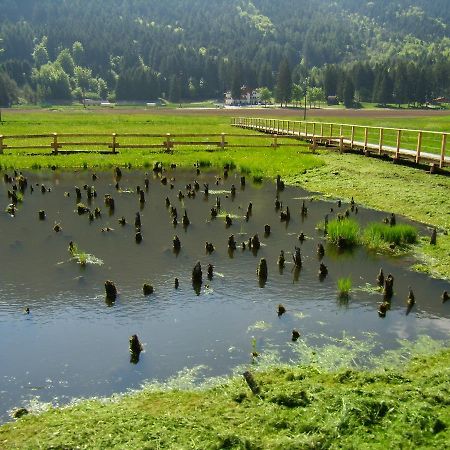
{"x":419,"y":146}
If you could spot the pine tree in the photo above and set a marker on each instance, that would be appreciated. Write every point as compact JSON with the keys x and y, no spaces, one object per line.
{"x":349,"y":93}
{"x":284,"y":83}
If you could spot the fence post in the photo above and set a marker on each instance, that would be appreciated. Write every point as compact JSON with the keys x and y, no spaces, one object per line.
{"x":314,"y":129}
{"x":380,"y":143}
{"x":222,"y":141}
{"x":419,"y":146}
{"x":444,"y":144}
{"x":54,"y":144}
{"x":366,"y":137}
{"x":168,"y":142}
{"x":341,"y":144}
{"x":114,"y":143}
{"x":331,"y":130}
{"x":321,"y":129}
{"x":275,"y":143}
{"x":1,"y":144}
{"x":341,"y":130}
{"x":399,"y":140}
{"x":306,"y":129}
{"x":353,"y":137}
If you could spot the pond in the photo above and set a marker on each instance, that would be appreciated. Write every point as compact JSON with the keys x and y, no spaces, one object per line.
{"x":73,"y":343}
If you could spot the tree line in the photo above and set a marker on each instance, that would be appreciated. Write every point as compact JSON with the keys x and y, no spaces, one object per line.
{"x":142,"y":50}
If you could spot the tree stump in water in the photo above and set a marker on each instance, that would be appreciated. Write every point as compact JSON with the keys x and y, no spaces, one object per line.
{"x":111,"y":291}
{"x":197,"y":275}
{"x":388,"y":291}
{"x":297,"y":256}
{"x":147,"y":289}
{"x":262,"y":270}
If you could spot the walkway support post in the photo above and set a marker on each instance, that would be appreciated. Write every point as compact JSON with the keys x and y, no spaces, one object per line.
{"x":419,"y":146}
{"x":380,"y":142}
{"x":443,"y":147}
{"x":399,"y":140}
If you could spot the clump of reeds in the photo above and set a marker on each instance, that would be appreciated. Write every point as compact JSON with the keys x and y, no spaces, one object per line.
{"x":343,"y":232}
{"x":379,"y":234}
{"x":344,"y":286}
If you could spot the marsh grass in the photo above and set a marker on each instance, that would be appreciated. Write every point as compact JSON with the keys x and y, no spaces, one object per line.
{"x":83,"y":258}
{"x":344,"y":232}
{"x":344,"y":286}
{"x":379,"y":235}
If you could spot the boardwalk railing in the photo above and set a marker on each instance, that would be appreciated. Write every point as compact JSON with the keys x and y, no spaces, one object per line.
{"x":416,"y":145}
{"x":113,"y":143}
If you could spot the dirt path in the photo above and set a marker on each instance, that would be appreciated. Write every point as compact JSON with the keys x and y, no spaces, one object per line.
{"x":253,"y":112}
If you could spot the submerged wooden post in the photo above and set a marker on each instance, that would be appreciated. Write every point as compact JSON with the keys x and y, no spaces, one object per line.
{"x":419,"y":146}
{"x":399,"y":140}
{"x":114,"y":143}
{"x":380,"y":143}
{"x":443,"y":147}
{"x":1,"y":144}
{"x":353,"y":137}
{"x":55,"y":143}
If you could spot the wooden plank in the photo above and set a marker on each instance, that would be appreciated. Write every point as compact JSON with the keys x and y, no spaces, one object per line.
{"x":138,"y":145}
{"x":27,"y":147}
{"x":76,"y":144}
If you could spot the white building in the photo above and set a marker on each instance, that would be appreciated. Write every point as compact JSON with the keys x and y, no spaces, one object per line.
{"x":248,"y":97}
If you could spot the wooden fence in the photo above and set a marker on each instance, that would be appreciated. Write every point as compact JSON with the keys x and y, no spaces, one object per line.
{"x":113,"y":143}
{"x":416,"y":145}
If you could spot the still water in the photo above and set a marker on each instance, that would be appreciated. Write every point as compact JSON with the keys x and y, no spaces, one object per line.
{"x":73,"y":344}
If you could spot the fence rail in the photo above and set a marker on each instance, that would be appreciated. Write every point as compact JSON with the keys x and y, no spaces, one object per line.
{"x":58,"y":143}
{"x":416,"y":145}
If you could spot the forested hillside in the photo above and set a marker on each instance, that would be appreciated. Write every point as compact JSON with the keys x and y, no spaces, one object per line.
{"x":197,"y":49}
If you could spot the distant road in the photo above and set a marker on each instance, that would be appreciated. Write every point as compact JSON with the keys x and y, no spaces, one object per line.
{"x":252,"y":112}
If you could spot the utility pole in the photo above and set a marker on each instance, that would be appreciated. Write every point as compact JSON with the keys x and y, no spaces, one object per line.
{"x":306,"y":82}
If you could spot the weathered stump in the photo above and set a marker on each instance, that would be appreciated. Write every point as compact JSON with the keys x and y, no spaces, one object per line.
{"x":110,"y":289}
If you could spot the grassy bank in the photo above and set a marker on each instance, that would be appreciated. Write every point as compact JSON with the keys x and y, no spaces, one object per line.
{"x":297,"y":407}
{"x":392,"y":188}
